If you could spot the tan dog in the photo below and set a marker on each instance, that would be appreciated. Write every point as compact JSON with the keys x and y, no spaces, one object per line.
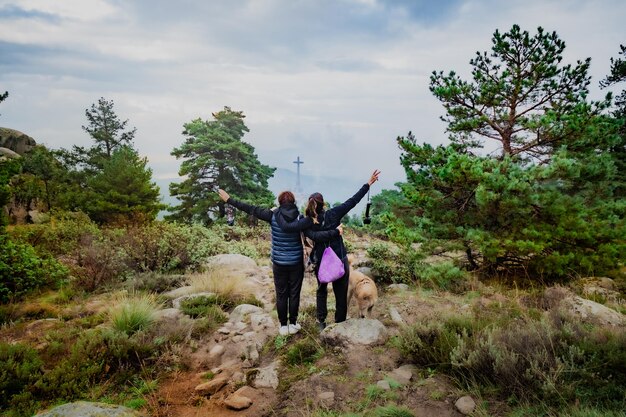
{"x":363,"y":289}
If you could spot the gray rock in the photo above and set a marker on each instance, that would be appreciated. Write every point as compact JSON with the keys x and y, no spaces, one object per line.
{"x":216,"y":351}
{"x":261,"y":321}
{"x":592,"y":312}
{"x":88,"y":409}
{"x":384,"y":385}
{"x":9,"y":153}
{"x":395,"y":316}
{"x":326,"y":399}
{"x":16,"y":141}
{"x":366,"y":271}
{"x":238,"y":402}
{"x":172,"y":314}
{"x":178,"y":292}
{"x":178,"y":301}
{"x":232,"y":261}
{"x":401,"y":376}
{"x":267,"y":377}
{"x":398,"y":287}
{"x":211,"y":387}
{"x":251,"y":353}
{"x":242,"y":311}
{"x":465,"y":405}
{"x":359,"y":331}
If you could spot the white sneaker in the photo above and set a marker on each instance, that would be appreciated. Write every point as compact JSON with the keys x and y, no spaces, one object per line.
{"x":294,"y":328}
{"x":283,"y":331}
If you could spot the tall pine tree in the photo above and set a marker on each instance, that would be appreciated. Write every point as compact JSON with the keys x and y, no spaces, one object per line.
{"x":543,"y":203}
{"x":215,"y":156}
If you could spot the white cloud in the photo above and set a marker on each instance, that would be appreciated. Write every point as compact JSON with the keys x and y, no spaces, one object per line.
{"x":337,"y":94}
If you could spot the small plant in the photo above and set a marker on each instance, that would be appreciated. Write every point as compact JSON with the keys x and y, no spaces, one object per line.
{"x":133,"y":313}
{"x":303,"y":352}
{"x":392,"y":411}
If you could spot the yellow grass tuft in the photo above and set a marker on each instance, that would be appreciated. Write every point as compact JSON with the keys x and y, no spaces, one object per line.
{"x":221,"y":282}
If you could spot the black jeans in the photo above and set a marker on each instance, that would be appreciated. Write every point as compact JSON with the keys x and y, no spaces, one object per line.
{"x":288,"y":283}
{"x":340,"y":288}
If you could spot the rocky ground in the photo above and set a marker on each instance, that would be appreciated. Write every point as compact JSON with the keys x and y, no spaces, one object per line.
{"x":240,"y":369}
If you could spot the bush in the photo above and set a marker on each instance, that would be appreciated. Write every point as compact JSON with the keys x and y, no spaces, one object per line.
{"x":62,"y":235}
{"x":303,"y":352}
{"x":444,"y":275}
{"x":393,"y":265}
{"x":553,"y":360}
{"x":131,"y":314}
{"x":22,"y":270}
{"x":167,"y":247}
{"x":20,"y":368}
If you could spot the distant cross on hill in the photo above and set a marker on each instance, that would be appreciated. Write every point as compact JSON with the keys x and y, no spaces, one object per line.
{"x":298,"y":162}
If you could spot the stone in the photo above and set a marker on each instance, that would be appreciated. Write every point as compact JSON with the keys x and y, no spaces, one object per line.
{"x":9,"y":154}
{"x":267,"y":377}
{"x":398,"y":287}
{"x":211,"y":387}
{"x":232,"y":262}
{"x":216,"y":351}
{"x":401,"y":376}
{"x":178,"y":301}
{"x":465,"y":405}
{"x":395,"y":316}
{"x":16,"y":141}
{"x":223,"y":330}
{"x":178,"y":292}
{"x":89,"y":409}
{"x":251,"y":353}
{"x":592,"y":312}
{"x":242,"y":311}
{"x":384,"y":385}
{"x":326,"y":398}
{"x":237,"y":402}
{"x":367,"y":271}
{"x":360,"y":331}
{"x":171,"y":314}
{"x":261,"y":321}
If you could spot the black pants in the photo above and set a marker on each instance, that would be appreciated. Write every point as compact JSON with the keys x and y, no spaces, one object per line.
{"x":340,"y":288}
{"x":288,"y":283}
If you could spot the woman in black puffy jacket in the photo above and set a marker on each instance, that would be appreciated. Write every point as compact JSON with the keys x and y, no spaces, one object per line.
{"x":286,"y":253}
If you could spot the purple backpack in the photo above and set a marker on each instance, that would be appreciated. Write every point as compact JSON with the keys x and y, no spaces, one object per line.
{"x":331,"y":267}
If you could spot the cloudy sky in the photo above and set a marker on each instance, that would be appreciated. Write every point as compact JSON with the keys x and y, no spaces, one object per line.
{"x":332,"y":81}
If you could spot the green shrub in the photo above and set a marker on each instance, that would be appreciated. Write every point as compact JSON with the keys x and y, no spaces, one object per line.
{"x":22,"y":270}
{"x":154,"y":282}
{"x":99,"y":261}
{"x":208,"y":307}
{"x":62,"y":235}
{"x":303,"y":352}
{"x":131,"y":314}
{"x":167,"y":247}
{"x":444,"y":275}
{"x":391,"y":264}
{"x":20,"y":368}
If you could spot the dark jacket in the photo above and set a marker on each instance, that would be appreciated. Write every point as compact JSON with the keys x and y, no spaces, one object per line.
{"x":329,"y":220}
{"x":286,"y":241}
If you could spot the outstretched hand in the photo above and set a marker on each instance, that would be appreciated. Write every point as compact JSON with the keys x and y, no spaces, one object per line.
{"x":223,"y":195}
{"x":374,"y":177}
{"x":340,"y":228}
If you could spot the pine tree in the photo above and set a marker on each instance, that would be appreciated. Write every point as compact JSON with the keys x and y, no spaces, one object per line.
{"x":215,"y":156}
{"x":124,"y":190}
{"x":544,"y":204}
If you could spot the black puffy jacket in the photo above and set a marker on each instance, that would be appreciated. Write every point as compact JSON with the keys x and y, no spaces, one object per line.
{"x":286,"y":241}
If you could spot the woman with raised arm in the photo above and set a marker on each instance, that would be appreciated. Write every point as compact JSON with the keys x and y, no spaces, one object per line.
{"x":326,"y":220}
{"x":286,"y":253}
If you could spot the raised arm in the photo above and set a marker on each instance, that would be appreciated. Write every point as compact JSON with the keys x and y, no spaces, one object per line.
{"x":258,"y":212}
{"x":343,"y":209}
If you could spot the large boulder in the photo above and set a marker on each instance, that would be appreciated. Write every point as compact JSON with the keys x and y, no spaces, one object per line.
{"x":16,"y":141}
{"x":356,"y":331}
{"x":87,"y":409}
{"x":586,"y":310}
{"x":232,"y":262}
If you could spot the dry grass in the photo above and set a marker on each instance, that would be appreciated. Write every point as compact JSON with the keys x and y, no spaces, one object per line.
{"x":220,"y":282}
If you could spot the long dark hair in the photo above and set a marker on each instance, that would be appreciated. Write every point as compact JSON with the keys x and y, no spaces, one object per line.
{"x":315,"y":206}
